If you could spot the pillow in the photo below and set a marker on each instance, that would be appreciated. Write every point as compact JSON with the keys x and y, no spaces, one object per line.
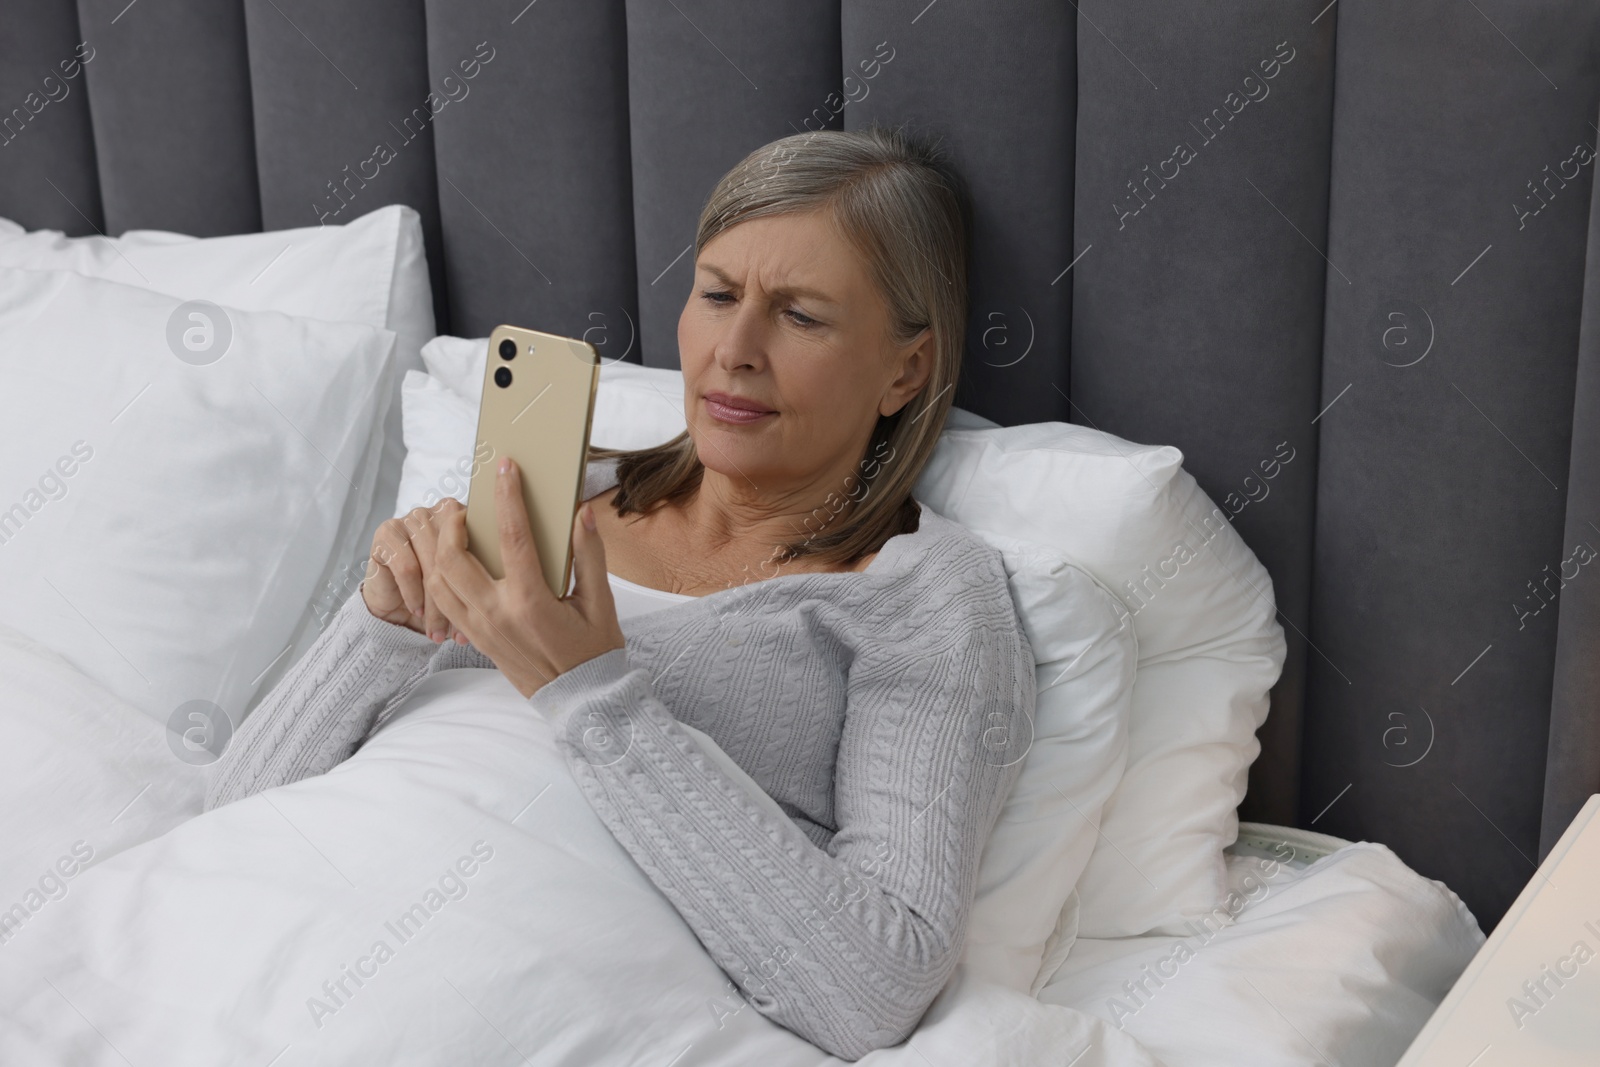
{"x":370,"y":270}
{"x":166,"y":515}
{"x":1083,"y":647}
{"x":1210,"y":647}
{"x":1024,"y":919}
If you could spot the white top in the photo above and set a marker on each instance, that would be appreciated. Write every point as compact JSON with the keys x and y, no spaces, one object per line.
{"x":634,"y":599}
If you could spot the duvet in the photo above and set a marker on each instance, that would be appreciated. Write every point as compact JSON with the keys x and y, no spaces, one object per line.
{"x":446,"y":896}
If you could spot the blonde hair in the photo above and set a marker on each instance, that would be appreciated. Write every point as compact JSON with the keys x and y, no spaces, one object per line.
{"x":903,"y":208}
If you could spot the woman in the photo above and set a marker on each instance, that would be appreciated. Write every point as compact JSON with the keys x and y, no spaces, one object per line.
{"x":857,"y":655}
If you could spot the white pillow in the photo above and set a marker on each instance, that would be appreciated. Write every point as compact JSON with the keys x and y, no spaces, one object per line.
{"x":1024,"y":919}
{"x":439,"y":429}
{"x":370,"y":270}
{"x":1210,"y":647}
{"x":164,"y":522}
{"x":1083,"y":648}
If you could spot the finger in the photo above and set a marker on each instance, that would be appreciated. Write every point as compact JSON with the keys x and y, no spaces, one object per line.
{"x":593,"y":589}
{"x":451,"y":604}
{"x":465,"y":590}
{"x":436,"y":624}
{"x":414,"y":520}
{"x":423,"y":533}
{"x":420,"y":532}
{"x":468,"y":592}
{"x":377,"y":584}
{"x":465,"y":618}
{"x":445,"y":507}
{"x":401,"y":563}
{"x":419,"y":525}
{"x":518,"y":554}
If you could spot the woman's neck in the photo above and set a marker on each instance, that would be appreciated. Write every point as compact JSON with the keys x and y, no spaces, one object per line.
{"x":733,"y":517}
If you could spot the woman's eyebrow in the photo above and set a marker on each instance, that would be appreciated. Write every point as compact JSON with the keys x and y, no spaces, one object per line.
{"x":785,"y":290}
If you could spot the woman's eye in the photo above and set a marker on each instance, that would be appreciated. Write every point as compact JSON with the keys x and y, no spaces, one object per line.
{"x":723,"y":299}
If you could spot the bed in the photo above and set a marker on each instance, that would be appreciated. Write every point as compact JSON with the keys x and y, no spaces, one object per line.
{"x":261,"y":278}
{"x":447,"y":894}
{"x":554,"y":949}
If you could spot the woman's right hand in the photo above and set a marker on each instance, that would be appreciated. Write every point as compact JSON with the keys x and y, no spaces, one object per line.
{"x":394,"y":587}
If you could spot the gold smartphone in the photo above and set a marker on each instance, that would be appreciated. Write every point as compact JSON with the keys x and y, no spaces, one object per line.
{"x":537,"y":408}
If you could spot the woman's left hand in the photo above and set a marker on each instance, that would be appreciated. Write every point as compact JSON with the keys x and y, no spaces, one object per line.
{"x":529,"y":633}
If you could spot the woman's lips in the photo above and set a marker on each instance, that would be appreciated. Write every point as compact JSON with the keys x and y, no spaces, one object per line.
{"x":724,"y":413}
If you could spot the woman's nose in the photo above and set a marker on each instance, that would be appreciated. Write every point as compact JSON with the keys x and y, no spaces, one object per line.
{"x":743,"y":340}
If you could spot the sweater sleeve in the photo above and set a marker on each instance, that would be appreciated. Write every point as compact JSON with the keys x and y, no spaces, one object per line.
{"x":845,"y":945}
{"x":357,"y":670}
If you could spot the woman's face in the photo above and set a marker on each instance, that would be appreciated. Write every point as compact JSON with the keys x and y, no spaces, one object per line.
{"x":784,"y":316}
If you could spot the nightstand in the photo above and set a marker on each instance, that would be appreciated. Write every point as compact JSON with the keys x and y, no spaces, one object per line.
{"x":1531,"y":996}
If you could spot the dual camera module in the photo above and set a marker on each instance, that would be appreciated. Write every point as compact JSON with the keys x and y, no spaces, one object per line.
{"x":508,"y":352}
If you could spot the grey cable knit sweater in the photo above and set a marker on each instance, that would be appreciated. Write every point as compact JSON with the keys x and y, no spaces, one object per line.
{"x":879,"y":710}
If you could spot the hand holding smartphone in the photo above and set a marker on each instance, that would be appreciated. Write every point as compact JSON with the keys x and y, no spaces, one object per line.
{"x":538,"y":408}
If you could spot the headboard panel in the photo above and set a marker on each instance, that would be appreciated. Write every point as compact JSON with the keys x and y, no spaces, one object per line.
{"x":48,"y":177}
{"x":534,"y":173}
{"x":999,"y":80}
{"x":1229,"y":228}
{"x":1444,"y":472}
{"x":687,"y":132}
{"x":172,"y":134}
{"x":321,"y":111}
{"x":1198,"y":303}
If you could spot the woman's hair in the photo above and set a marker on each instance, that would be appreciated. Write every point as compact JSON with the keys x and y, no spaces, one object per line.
{"x":903,"y":208}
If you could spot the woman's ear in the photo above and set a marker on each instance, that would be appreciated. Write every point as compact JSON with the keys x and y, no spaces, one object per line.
{"x":916,"y":367}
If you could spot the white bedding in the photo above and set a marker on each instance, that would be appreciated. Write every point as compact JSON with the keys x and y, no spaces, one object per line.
{"x":210,"y":941}
{"x":1339,"y":963}
{"x":211,"y":944}
{"x":78,"y":767}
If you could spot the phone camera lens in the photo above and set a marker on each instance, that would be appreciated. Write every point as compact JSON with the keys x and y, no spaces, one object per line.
{"x":508,"y":349}
{"x":502,"y":377}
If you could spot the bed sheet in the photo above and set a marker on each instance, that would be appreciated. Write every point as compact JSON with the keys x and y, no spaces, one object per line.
{"x":1340,"y":962}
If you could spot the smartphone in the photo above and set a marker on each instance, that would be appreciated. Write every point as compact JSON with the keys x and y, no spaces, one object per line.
{"x":537,"y":408}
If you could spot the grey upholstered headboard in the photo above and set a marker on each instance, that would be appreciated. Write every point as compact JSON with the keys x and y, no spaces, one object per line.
{"x":1354,"y":234}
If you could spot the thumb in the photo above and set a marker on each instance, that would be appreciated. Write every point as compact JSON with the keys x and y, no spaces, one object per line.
{"x":593,"y":588}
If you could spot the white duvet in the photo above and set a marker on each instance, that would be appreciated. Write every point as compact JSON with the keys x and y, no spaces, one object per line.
{"x":1339,"y":963}
{"x":447,"y":896}
{"x":83,"y":776}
